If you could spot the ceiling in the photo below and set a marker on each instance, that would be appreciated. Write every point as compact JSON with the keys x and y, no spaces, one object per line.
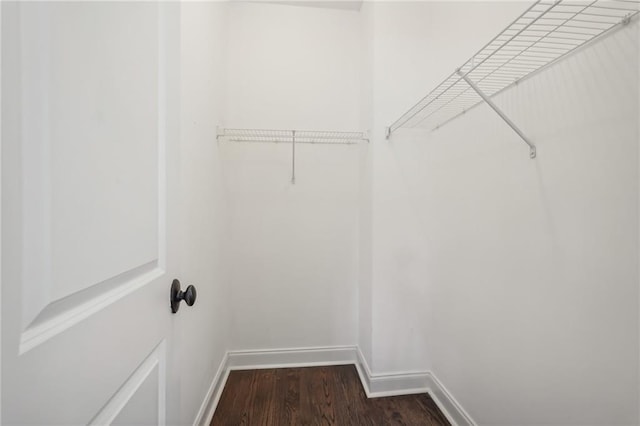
{"x":328,"y":4}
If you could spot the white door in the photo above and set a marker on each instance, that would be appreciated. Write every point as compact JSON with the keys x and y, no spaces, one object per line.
{"x":89,"y":170}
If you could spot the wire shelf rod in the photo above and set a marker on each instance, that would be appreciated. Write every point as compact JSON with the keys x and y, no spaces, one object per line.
{"x":529,"y":9}
{"x":542,"y":37}
{"x":458,"y":79}
{"x":547,"y":64}
{"x":543,"y":34}
{"x":287,"y":136}
{"x":294,"y":137}
{"x":513,"y":37}
{"x":531,"y":46}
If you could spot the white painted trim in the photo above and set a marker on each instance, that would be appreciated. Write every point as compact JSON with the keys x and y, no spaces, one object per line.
{"x":375,"y":384}
{"x":208,"y":407}
{"x":363,"y":372}
{"x":40,"y":333}
{"x":391,"y":384}
{"x":448,"y":404}
{"x":290,"y":358}
{"x":0,"y":211}
{"x":156,"y":360}
{"x":638,"y":254}
{"x":410,"y":382}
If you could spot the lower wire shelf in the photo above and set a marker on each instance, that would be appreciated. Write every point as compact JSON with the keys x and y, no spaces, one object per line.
{"x":293,"y":137}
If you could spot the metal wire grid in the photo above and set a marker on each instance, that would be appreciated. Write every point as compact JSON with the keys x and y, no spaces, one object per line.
{"x":301,"y":136}
{"x":544,"y":33}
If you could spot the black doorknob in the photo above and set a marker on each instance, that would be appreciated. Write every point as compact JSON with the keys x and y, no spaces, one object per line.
{"x":177,"y":295}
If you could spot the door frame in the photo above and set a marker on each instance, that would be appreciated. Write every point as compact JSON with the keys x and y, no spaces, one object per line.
{"x":1,"y":206}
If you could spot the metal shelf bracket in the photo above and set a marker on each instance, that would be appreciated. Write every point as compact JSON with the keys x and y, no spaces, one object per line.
{"x":532,"y":147}
{"x":293,"y":157}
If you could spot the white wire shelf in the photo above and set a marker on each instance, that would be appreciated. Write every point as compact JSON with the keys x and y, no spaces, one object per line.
{"x":293,"y":137}
{"x":543,"y":34}
{"x":299,"y":136}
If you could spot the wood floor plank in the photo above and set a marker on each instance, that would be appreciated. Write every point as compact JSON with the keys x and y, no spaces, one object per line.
{"x":287,"y":401}
{"x":264,"y":396}
{"x":316,"y":396}
{"x":403,"y":410}
{"x":316,"y":400}
{"x":352,"y":408}
{"x":237,"y":398}
{"x":429,"y":406}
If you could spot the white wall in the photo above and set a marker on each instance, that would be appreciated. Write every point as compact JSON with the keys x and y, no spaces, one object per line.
{"x":202,"y":330}
{"x":514,"y":280}
{"x":365,"y":214}
{"x":293,"y":67}
{"x":293,"y":248}
{"x":415,"y":46}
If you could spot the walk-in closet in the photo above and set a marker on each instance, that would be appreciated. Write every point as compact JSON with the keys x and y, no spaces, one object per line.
{"x":320,"y":212}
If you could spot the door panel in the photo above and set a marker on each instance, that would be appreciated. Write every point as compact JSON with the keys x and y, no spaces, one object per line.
{"x":141,"y":399}
{"x":103,"y":122}
{"x":88,"y":175}
{"x":142,"y":405}
{"x":91,"y":170}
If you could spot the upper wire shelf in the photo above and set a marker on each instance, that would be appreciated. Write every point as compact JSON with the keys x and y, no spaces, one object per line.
{"x":299,"y":136}
{"x":544,"y":33}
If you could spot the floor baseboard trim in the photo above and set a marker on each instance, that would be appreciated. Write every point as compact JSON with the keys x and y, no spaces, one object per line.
{"x":390,"y":384}
{"x":375,"y":385}
{"x":289,"y":358}
{"x":208,"y":407}
{"x":405,"y":383}
{"x":448,"y":404}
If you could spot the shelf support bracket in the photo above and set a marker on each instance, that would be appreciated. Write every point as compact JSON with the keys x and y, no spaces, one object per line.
{"x":293,"y":157}
{"x":532,"y":147}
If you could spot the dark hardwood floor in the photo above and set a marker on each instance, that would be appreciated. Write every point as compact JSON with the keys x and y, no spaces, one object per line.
{"x":316,"y":396}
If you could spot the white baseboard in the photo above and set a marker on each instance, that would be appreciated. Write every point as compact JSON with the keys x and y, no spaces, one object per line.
{"x":290,"y":358}
{"x":448,"y":404}
{"x":208,"y":407}
{"x":390,"y":384}
{"x":411,"y":382}
{"x":375,"y":385}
